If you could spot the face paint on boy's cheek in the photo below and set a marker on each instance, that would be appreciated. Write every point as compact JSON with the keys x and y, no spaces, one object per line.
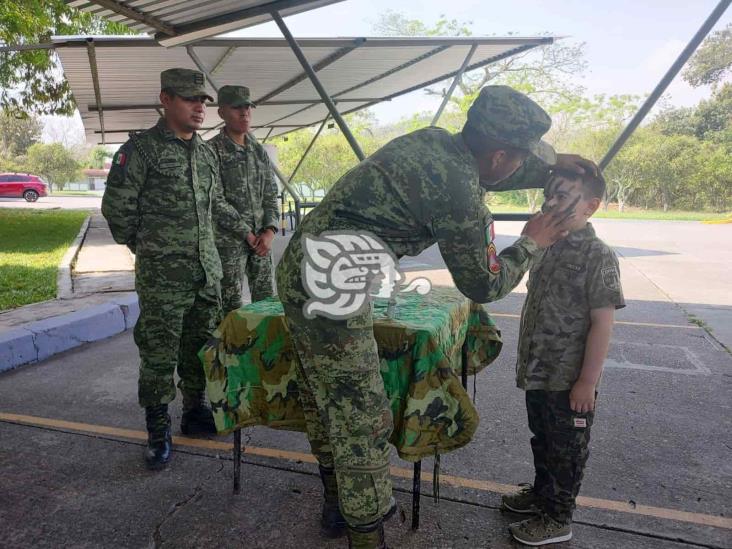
{"x":553,"y":187}
{"x":568,"y":212}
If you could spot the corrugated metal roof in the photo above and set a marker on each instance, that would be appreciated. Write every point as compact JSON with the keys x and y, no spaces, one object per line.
{"x":356,"y":72}
{"x":178,"y":22}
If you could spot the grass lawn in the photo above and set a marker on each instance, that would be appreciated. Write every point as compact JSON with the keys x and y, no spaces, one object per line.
{"x":77,"y":193}
{"x":632,"y":213}
{"x":32,"y":243}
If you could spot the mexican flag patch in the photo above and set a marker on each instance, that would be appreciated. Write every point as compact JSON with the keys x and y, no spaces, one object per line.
{"x":120,"y":159}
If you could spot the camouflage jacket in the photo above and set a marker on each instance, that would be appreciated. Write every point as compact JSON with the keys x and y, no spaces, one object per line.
{"x":574,"y":276}
{"x":419,"y":189}
{"x":158,"y":201}
{"x":248,"y":185}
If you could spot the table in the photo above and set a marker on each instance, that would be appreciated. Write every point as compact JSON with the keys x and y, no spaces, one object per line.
{"x":427,"y":342}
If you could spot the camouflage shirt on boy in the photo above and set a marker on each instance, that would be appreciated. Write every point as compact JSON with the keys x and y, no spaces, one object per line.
{"x":574,"y":276}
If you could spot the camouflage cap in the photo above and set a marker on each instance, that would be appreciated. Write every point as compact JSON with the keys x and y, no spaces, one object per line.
{"x":184,"y":82}
{"x":235,"y":96}
{"x":505,"y":115}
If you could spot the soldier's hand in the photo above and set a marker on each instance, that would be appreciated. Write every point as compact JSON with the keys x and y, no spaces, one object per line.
{"x":252,"y":240}
{"x":576,"y":163}
{"x":546,"y":228}
{"x":264,"y":244}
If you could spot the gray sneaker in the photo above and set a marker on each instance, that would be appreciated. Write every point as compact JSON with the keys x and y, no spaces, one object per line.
{"x":540,"y":530}
{"x":525,"y":501}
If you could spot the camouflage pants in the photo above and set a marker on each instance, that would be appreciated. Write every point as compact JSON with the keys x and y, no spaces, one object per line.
{"x":236,"y":262}
{"x":172,"y":328}
{"x":346,"y":409}
{"x":560,"y":448}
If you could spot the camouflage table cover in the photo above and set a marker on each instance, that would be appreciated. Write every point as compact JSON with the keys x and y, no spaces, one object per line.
{"x":250,"y":371}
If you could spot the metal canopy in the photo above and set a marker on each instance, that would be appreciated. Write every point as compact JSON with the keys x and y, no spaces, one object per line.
{"x":180,"y":22}
{"x":116,"y":82}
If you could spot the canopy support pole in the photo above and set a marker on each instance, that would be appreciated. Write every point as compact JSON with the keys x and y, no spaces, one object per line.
{"x":307,"y":150}
{"x":454,"y":84}
{"x":91,"y":51}
{"x":318,"y":85}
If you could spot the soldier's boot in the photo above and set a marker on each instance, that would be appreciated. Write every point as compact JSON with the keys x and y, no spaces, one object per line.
{"x":370,"y":536}
{"x":159,"y":441}
{"x":332,"y":523}
{"x":197,"y":418}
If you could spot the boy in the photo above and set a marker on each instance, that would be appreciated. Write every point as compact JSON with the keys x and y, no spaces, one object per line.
{"x":566,"y":323}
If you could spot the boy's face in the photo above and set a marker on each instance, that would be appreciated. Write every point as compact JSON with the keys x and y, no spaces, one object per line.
{"x":566,"y":195}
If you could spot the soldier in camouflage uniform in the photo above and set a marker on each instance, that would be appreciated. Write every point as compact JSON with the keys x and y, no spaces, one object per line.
{"x":158,"y":201}
{"x":574,"y":289}
{"x":250,"y":189}
{"x":422,"y":188}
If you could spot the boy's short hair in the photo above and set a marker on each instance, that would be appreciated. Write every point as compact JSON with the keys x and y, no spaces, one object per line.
{"x":594,"y":185}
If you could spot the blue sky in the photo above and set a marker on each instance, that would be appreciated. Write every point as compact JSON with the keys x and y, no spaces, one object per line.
{"x":629,"y":44}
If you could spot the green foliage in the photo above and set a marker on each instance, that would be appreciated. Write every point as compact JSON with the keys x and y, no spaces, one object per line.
{"x":712,"y":61}
{"x":54,"y":162}
{"x":30,"y":81}
{"x":391,"y":23}
{"x":540,"y":72}
{"x":711,"y":119}
{"x":331,"y":156}
{"x":33,"y":243}
{"x":18,"y":133}
{"x":96,"y":158}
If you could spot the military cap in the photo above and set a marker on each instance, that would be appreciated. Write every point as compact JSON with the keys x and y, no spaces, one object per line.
{"x":184,"y":82}
{"x":505,"y":115}
{"x":235,"y":96}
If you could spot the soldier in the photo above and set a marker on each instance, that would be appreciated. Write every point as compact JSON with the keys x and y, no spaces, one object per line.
{"x":158,"y":201}
{"x":421,"y":188}
{"x":250,"y":189}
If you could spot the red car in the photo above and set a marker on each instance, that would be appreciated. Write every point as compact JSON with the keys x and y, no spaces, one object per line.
{"x":16,"y":185}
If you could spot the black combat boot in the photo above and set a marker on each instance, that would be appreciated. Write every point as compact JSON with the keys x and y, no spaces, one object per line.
{"x":159,"y":443}
{"x":332,"y":523}
{"x":197,"y":417}
{"x":369,"y":536}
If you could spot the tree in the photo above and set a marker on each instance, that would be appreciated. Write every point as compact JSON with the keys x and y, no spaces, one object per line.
{"x":18,"y":133}
{"x":96,"y":157}
{"x":712,"y":61}
{"x":711,"y":119}
{"x":54,"y":162}
{"x":714,"y":178}
{"x":331,"y":156}
{"x":31,"y":81}
{"x":540,"y":72}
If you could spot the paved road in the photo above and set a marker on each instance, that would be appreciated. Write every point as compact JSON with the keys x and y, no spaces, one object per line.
{"x":55,"y":202}
{"x":660,"y":473}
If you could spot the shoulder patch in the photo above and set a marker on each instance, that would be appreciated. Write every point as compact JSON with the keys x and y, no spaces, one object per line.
{"x":120,"y":158}
{"x":610,"y":278}
{"x":494,"y":265}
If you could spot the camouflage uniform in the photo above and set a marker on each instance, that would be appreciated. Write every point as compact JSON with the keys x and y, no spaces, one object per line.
{"x":419,"y":189}
{"x":159,"y":200}
{"x":574,"y":276}
{"x":250,"y":189}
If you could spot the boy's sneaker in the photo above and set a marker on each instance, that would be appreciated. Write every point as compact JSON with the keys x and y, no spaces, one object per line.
{"x":540,"y":530}
{"x":526,"y":501}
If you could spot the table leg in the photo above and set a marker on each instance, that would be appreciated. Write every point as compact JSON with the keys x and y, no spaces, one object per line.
{"x":464,"y":369}
{"x":237,"y":461}
{"x":416,"y":492}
